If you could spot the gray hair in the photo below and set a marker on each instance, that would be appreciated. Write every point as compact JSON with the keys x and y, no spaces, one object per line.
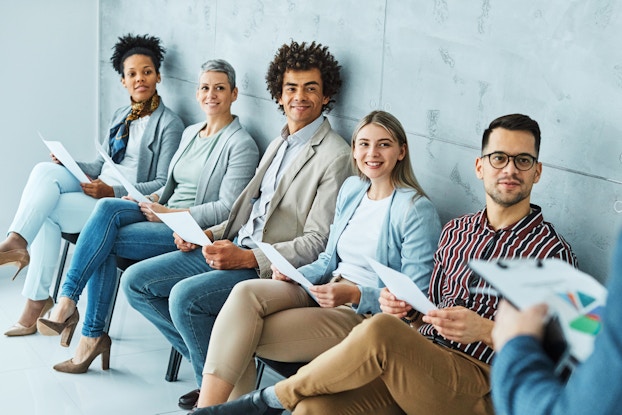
{"x":220,"y":65}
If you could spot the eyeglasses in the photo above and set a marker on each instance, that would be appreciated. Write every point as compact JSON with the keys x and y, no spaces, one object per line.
{"x":522,"y":161}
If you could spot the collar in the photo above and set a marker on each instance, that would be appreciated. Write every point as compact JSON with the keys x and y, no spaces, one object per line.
{"x":533,"y":219}
{"x":304,"y":134}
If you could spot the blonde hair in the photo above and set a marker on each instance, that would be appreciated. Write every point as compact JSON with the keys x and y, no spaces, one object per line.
{"x":402,"y":175}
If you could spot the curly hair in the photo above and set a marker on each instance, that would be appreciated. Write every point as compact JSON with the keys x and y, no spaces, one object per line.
{"x":129,"y":45}
{"x":302,"y":57}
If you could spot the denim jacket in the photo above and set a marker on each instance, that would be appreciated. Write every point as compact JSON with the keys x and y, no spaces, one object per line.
{"x":406,"y":243}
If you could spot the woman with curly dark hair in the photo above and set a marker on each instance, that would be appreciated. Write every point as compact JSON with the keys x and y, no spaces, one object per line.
{"x":142,"y":140}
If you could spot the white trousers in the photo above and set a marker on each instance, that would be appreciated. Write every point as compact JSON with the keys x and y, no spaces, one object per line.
{"x":52,"y":202}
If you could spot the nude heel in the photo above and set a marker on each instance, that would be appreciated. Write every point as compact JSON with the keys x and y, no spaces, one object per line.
{"x":66,"y":329}
{"x":101,"y":348}
{"x":67,"y":334}
{"x":21,"y":257}
{"x":106,"y":359}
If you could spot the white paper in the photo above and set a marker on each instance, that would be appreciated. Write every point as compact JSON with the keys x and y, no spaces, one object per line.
{"x":59,"y":151}
{"x":572,"y":295}
{"x":402,"y":287}
{"x":131,"y":190}
{"x":283,"y":264}
{"x":184,"y":225}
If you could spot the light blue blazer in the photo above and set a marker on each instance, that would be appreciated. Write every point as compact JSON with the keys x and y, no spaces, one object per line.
{"x":407,"y":242}
{"x":161,"y":139}
{"x":226,"y":172}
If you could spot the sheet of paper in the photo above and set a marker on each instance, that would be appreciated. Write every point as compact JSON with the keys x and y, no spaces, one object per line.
{"x":573,"y":296}
{"x":59,"y":151}
{"x":185,"y":226}
{"x":131,"y":190}
{"x":283,"y":264}
{"x":402,"y":287}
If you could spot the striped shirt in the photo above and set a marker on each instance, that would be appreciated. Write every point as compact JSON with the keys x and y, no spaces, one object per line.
{"x":471,"y":237}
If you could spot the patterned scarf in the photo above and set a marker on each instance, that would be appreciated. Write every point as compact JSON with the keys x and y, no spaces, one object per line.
{"x":120,"y":133}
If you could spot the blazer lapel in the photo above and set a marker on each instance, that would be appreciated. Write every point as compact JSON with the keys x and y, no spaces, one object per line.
{"x":296,"y":166}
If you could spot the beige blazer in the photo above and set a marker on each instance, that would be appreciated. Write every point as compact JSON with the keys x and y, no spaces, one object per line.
{"x":302,"y":209}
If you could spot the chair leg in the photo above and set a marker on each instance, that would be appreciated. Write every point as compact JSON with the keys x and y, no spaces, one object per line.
{"x":174,"y":361}
{"x":261,"y":366}
{"x":61,"y":269}
{"x":113,"y":301}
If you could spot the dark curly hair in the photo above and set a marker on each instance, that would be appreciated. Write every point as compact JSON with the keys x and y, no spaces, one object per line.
{"x":302,"y":57}
{"x":129,"y":45}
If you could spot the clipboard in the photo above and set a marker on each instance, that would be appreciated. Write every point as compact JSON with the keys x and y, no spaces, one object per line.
{"x":576,"y":302}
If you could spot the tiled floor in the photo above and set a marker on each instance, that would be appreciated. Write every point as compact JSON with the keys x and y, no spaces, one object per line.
{"x":134,"y":384}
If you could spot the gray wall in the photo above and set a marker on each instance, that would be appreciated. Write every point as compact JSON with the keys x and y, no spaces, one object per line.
{"x":445,"y":68}
{"x":48,"y":83}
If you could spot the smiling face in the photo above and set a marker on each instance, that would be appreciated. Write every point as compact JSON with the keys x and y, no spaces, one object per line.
{"x":214,"y":94}
{"x":377,"y":152}
{"x":140,"y":77}
{"x":302,"y":97}
{"x":508,"y":186}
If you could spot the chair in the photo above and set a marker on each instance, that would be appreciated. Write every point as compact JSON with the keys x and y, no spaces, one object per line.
{"x":283,"y":369}
{"x":175,"y":357}
{"x":70,"y":238}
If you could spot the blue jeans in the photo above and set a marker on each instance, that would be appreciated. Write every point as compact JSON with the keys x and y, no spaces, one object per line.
{"x":182,"y":295}
{"x":116,"y":227}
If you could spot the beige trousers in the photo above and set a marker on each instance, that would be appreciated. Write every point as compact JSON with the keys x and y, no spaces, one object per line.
{"x":386,"y":367}
{"x":276,"y":320}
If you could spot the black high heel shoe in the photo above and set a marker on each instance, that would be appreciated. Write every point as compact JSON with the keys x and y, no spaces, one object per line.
{"x":66,"y":329}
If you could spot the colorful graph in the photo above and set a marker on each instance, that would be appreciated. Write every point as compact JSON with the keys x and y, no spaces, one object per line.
{"x":589,"y":321}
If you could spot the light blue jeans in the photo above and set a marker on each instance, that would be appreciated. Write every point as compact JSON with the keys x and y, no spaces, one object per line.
{"x":182,"y":295}
{"x":116,"y":227}
{"x":52,"y":202}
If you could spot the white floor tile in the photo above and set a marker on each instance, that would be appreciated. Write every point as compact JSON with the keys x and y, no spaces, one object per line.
{"x":134,"y":384}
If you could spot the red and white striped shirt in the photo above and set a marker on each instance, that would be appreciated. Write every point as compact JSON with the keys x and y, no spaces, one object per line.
{"x":471,"y":237}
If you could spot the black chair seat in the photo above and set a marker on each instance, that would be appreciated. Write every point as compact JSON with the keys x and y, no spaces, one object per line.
{"x":284,"y":369}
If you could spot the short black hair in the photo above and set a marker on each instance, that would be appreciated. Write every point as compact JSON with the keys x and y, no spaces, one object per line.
{"x":302,"y":57}
{"x":514,"y":122}
{"x":130,"y":44}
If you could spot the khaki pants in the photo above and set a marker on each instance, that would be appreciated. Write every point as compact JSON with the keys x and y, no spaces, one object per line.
{"x":276,"y":320}
{"x":386,"y":367}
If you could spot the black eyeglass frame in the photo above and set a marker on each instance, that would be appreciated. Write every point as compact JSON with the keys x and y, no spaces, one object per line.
{"x":534,"y":160}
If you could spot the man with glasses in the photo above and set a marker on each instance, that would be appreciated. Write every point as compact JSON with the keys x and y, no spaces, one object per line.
{"x":438,"y":363}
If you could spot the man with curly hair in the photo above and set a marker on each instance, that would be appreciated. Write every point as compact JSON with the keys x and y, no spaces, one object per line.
{"x":289,"y":203}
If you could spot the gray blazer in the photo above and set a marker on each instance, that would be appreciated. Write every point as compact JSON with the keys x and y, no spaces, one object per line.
{"x":303,"y":205}
{"x":163,"y":130}
{"x":226,"y":172}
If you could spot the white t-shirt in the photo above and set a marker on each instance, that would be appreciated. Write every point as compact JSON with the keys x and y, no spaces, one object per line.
{"x":359,"y":240}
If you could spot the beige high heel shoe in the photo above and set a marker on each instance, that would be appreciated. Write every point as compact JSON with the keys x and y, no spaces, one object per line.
{"x":21,"y":257}
{"x":66,"y":329}
{"x":19,"y":330}
{"x":102,"y":347}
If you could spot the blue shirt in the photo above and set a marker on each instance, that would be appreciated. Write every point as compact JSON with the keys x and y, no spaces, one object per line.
{"x":522,"y":376}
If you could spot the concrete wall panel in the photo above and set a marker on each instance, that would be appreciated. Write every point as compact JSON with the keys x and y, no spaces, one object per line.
{"x":446,"y":68}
